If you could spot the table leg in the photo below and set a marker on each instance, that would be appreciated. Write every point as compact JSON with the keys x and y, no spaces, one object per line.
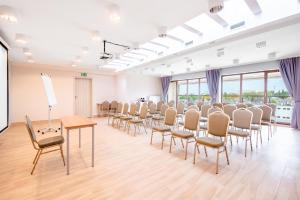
{"x":93,"y":144}
{"x":68,"y":164}
{"x":79,"y":137}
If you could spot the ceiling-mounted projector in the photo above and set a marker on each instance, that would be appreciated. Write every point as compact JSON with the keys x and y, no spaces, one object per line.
{"x":105,"y":55}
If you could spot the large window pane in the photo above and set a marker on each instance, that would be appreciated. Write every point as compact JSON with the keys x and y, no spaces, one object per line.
{"x":278,"y":94}
{"x":172,"y":92}
{"x":253,"y":88}
{"x":204,"y":95}
{"x":231,"y":89}
{"x":193,"y":90}
{"x":182,"y":92}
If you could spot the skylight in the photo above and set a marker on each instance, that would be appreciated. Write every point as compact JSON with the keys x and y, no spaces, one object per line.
{"x":183,"y":34}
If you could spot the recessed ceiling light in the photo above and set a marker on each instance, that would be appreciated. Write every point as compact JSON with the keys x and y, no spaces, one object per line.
{"x":114,"y":13}
{"x":21,"y":38}
{"x":7,"y":14}
{"x":96,"y":36}
{"x":85,"y":50}
{"x":27,"y":52}
{"x":215,"y":6}
{"x":261,"y":44}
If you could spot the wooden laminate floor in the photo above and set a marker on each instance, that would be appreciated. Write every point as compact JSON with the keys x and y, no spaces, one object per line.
{"x":127,"y":167}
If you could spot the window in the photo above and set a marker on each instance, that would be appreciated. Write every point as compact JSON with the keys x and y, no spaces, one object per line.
{"x":231,"y":89}
{"x":182,"y":91}
{"x":278,"y":94}
{"x":253,"y":87}
{"x":172,"y":92}
{"x":204,"y":94}
{"x":193,"y":90}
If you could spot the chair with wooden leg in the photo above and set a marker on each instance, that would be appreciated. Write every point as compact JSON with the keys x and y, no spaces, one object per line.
{"x":228,"y":110}
{"x":123,"y":114}
{"x":165,"y":129}
{"x":189,"y":131}
{"x":43,"y":144}
{"x":117,"y":114}
{"x":216,"y":138}
{"x":256,"y":122}
{"x":129,"y":116}
{"x":160,"y":117}
{"x":242,"y":119}
{"x":140,"y":121}
{"x":266,"y":119}
{"x":180,"y":111}
{"x":159,"y":105}
{"x":203,"y":126}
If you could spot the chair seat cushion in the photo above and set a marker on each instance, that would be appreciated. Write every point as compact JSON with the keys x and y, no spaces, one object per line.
{"x":118,"y":115}
{"x":157,"y":117}
{"x":255,"y":127}
{"x":161,"y":128}
{"x":238,"y":132}
{"x":209,"y":141}
{"x":136,"y":121}
{"x":51,"y":141}
{"x":182,"y":134}
{"x":125,"y":118}
{"x":265,"y":123}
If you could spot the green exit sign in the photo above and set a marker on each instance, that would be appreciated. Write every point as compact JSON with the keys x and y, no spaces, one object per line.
{"x":83,"y":74}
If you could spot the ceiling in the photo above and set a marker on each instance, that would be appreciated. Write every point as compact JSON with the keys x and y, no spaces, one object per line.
{"x":58,"y":30}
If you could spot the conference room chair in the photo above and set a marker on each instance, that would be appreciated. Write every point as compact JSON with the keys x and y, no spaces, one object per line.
{"x":249,"y":105}
{"x":273,"y":116}
{"x":105,"y":108}
{"x":228,"y":110}
{"x":266,"y":119}
{"x":203,"y":126}
{"x":241,"y":127}
{"x":189,"y":131}
{"x":160,"y":117}
{"x":165,"y":129}
{"x":149,"y":103}
{"x":152,"y":110}
{"x":204,"y":111}
{"x":200,"y":104}
{"x":241,"y":105}
{"x":180,"y":111}
{"x":190,"y":104}
{"x":256,"y":122}
{"x":195,"y":107}
{"x":171,"y":103}
{"x":113,"y":106}
{"x":219,"y":105}
{"x":140,"y":121}
{"x":117,"y":114}
{"x":138,"y":107}
{"x":129,"y":116}
{"x":216,"y":138}
{"x":42,"y":145}
{"x":159,"y":105}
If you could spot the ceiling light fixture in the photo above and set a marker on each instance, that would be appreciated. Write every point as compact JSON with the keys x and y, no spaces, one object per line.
{"x":114,"y":13}
{"x":7,"y":14}
{"x":21,"y":38}
{"x":96,"y":36}
{"x":27,"y":52}
{"x":215,"y":6}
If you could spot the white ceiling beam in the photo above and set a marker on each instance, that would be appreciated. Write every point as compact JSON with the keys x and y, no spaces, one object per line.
{"x":159,"y":44}
{"x":193,"y":30}
{"x":150,"y":50}
{"x":254,"y":6}
{"x":139,"y":54}
{"x":218,"y":19}
{"x":133,"y":58}
{"x":175,"y":38}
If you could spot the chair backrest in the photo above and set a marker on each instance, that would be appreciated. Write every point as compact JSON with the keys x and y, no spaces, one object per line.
{"x":241,"y":105}
{"x":193,"y":107}
{"x":257,"y":115}
{"x":180,"y":108}
{"x":204,"y":110}
{"x":152,"y":108}
{"x":214,"y":109}
{"x":228,"y":110}
{"x":125,"y":108}
{"x":164,"y":107}
{"x":132,"y":109}
{"x":190,"y":104}
{"x":159,"y":104}
{"x":171,"y":103}
{"x":219,"y":105}
{"x":138,"y":106}
{"x":218,"y":123}
{"x":170,"y":117}
{"x":191,"y":119}
{"x":274,"y":107}
{"x":200,"y":104}
{"x":119,"y":107}
{"x":267,"y":113}
{"x":249,"y":105}
{"x":242,"y":118}
{"x":30,"y":130}
{"x":114,"y":105}
{"x":144,"y":111}
{"x":105,"y":105}
{"x":149,"y":103}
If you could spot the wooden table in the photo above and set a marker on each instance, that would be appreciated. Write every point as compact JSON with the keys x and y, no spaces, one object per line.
{"x":77,"y":122}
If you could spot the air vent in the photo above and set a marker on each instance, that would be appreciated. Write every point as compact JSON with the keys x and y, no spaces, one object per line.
{"x":261,"y":44}
{"x":237,"y":25}
{"x":220,"y":52}
{"x":189,"y":43}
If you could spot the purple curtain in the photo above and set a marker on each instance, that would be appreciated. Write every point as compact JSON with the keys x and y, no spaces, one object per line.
{"x":165,"y":82}
{"x":213,"y":79}
{"x":290,"y":72}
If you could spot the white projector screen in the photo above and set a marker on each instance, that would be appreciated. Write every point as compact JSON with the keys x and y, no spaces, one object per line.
{"x":3,"y":87}
{"x":49,"y":89}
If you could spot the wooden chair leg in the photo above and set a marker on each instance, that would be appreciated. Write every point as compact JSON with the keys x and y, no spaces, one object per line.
{"x":151,"y":137}
{"x":260,"y":136}
{"x":62,"y":154}
{"x":246,"y":148}
{"x":227,"y":158}
{"x":37,"y":159}
{"x":186,"y":148}
{"x":170,"y":150}
{"x":205,"y":150}
{"x":182,"y":143}
{"x":37,"y":153}
{"x":217,"y":166}
{"x":196,"y":146}
{"x":162,"y":141}
{"x":145,"y":128}
{"x":250,"y":142}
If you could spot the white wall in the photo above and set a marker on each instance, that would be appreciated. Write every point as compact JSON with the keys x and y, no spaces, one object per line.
{"x":27,"y":95}
{"x":131,"y":87}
